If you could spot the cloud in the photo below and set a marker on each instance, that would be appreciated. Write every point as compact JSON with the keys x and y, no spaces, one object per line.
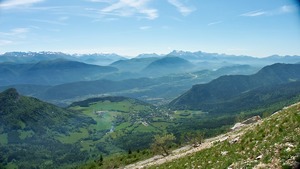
{"x":13,"y":36}
{"x":105,"y":1}
{"x":16,"y":3}
{"x":214,"y":23}
{"x":63,"y":18}
{"x":59,"y":22}
{"x":287,"y":9}
{"x":184,"y":10}
{"x":145,"y":27}
{"x":5,"y":42}
{"x":279,"y":11}
{"x":254,"y":13}
{"x":14,"y":32}
{"x":127,"y":8}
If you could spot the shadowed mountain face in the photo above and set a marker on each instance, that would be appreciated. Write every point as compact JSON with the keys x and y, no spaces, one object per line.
{"x":228,"y":87}
{"x":50,"y":72}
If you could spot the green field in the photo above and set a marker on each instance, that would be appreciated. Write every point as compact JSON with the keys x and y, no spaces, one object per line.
{"x":118,"y":124}
{"x":187,"y":113}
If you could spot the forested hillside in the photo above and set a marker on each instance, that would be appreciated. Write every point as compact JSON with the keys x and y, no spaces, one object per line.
{"x":231,"y":88}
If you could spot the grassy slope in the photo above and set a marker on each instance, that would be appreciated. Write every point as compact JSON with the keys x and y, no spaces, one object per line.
{"x":276,"y":140}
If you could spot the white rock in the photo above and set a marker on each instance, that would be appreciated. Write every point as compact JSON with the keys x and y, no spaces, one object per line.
{"x":223,"y":153}
{"x":259,"y":157}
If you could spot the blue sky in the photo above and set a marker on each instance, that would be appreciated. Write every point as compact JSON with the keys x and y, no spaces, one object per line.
{"x":129,"y":27}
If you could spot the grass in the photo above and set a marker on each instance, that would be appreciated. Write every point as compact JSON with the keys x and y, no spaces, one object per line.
{"x":276,"y":141}
{"x":104,"y":122}
{"x":73,"y":137}
{"x":187,"y":113}
{"x":123,"y":126}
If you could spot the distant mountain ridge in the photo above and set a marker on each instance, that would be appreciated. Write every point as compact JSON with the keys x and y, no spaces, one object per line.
{"x":50,"y":72}
{"x":34,"y":57}
{"x":227,"y":87}
{"x":168,"y":65}
{"x":106,"y":59}
{"x":134,"y":64}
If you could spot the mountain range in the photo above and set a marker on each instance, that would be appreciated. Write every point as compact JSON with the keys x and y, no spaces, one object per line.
{"x":34,"y":57}
{"x":51,"y":72}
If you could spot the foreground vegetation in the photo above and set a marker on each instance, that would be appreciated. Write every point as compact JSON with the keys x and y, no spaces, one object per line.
{"x":274,"y":143}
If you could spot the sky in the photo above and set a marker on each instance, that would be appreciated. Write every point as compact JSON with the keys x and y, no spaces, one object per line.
{"x":256,"y":28}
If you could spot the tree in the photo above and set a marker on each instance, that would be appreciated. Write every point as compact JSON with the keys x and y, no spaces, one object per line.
{"x":162,"y":143}
{"x":129,"y":151}
{"x":240,"y":117}
{"x":100,"y":161}
{"x":195,"y":138}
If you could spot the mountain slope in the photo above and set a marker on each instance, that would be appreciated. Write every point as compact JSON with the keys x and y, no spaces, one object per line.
{"x":227,"y":87}
{"x":272,"y":143}
{"x":100,"y":59}
{"x":168,"y":65}
{"x":99,"y":87}
{"x":50,"y":72}
{"x":30,"y":132}
{"x":134,"y":64}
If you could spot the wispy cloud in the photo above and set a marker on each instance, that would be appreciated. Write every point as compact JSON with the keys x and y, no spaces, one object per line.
{"x":106,"y":1}
{"x":254,"y":13}
{"x":52,"y":22}
{"x":279,"y":11}
{"x":16,"y":3}
{"x":214,"y":23}
{"x":5,"y":42}
{"x":13,"y":36}
{"x":14,"y":32}
{"x":127,"y":8}
{"x":63,"y":18}
{"x":287,"y":9}
{"x":183,"y":9}
{"x":145,"y":27}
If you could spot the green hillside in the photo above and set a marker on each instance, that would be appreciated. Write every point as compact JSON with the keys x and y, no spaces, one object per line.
{"x":38,"y":134}
{"x":272,"y":143}
{"x":30,"y":132}
{"x":226,"y":88}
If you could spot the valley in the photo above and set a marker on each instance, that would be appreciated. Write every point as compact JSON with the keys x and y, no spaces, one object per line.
{"x":113,"y":113}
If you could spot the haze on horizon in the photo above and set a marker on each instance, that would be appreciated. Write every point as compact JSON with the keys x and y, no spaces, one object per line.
{"x":131,"y":27}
